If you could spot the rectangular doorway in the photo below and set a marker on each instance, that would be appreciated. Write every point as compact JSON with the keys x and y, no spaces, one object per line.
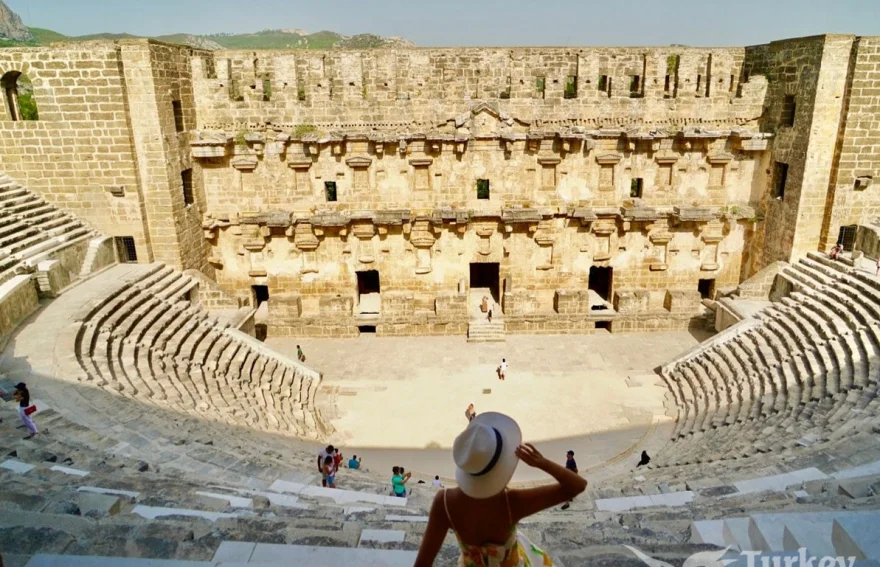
{"x":486,"y":276}
{"x":600,"y":281}
{"x":368,"y":291}
{"x":706,"y":287}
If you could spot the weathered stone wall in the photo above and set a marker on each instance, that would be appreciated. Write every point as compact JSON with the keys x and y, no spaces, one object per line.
{"x":18,"y":299}
{"x":812,"y":70}
{"x":854,"y":192}
{"x":80,"y":148}
{"x":655,"y":162}
{"x":384,"y":89}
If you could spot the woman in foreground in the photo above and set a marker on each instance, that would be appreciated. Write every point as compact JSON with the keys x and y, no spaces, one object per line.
{"x":482,"y":512}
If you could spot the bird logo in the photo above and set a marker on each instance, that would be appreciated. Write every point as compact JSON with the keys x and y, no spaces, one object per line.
{"x":700,"y":559}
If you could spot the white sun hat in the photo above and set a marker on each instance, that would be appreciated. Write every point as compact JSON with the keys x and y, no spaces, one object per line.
{"x":485,"y":454}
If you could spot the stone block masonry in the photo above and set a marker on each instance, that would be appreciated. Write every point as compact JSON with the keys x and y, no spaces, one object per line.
{"x":319,"y":177}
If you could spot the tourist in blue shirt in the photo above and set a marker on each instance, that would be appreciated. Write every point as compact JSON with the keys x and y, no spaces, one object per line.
{"x":571,"y":465}
{"x":354,"y":462}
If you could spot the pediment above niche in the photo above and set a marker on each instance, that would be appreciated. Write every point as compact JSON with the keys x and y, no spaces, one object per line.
{"x":484,"y":120}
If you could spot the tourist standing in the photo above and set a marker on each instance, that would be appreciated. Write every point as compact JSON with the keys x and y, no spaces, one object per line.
{"x":482,"y":510}
{"x":470,"y":413}
{"x":354,"y":462}
{"x":299,"y":354}
{"x":322,"y":456}
{"x":25,"y":409}
{"x":398,"y":481}
{"x":329,"y":473}
{"x":337,"y":459}
{"x":571,"y":465}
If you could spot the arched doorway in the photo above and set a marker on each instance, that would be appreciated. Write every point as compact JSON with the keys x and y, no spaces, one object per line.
{"x":18,"y":96}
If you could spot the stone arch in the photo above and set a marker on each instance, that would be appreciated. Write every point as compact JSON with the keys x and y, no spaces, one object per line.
{"x":18,"y":96}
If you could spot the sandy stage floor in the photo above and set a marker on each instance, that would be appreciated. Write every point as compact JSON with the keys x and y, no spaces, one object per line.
{"x":387,"y":395}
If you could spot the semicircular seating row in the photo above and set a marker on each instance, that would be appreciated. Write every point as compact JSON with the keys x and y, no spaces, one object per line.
{"x":148,"y":341}
{"x":805,"y":372}
{"x":32,"y":230}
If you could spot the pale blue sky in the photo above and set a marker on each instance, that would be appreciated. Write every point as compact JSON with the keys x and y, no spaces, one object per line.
{"x":473,"y":22}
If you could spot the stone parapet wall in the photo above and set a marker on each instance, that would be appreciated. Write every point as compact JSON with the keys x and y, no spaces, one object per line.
{"x":387,"y":89}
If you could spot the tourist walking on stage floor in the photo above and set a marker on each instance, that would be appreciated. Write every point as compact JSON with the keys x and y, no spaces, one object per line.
{"x":502,"y":369}
{"x":299,"y":354}
{"x":482,"y":510}
{"x":25,"y":409}
{"x":470,"y":413}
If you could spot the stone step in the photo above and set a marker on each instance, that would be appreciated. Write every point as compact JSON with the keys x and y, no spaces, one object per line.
{"x":271,"y":554}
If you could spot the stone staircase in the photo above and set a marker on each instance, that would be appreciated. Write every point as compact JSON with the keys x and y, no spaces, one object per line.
{"x":482,"y":331}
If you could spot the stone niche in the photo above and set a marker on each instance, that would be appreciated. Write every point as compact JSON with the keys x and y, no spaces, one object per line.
{"x":571,"y":302}
{"x":520,"y":303}
{"x":398,"y":304}
{"x":336,"y":305}
{"x":682,"y":301}
{"x":631,"y":301}
{"x":451,"y":305}
{"x":286,"y":306}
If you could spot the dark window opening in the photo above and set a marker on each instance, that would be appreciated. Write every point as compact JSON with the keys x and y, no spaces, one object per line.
{"x":267,"y":89}
{"x":187,"y":177}
{"x":178,"y":115}
{"x":732,"y":83}
{"x":330,"y":191}
{"x":847,"y":237}
{"x":699,"y":83}
{"x":600,"y":281}
{"x":635,"y":188}
{"x":18,"y":93}
{"x":369,"y":302}
{"x":604,"y":325}
{"x":706,"y":287}
{"x":666,"y":84}
{"x":540,"y":86}
{"x":261,"y":294}
{"x":603,"y":82}
{"x":788,"y":108}
{"x":780,"y":176}
{"x":235,"y":93}
{"x":571,"y":87}
{"x":126,"y":249}
{"x":635,"y":86}
{"x":261,"y":331}
{"x":366,"y":329}
{"x":505,"y":94}
{"x":485,"y":276}
{"x":482,"y":188}
{"x":863,"y":182}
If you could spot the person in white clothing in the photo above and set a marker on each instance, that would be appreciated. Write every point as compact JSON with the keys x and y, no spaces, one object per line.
{"x":502,"y":369}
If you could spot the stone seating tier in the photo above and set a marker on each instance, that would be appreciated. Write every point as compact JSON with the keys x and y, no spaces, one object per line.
{"x":145,"y":340}
{"x":814,"y":357}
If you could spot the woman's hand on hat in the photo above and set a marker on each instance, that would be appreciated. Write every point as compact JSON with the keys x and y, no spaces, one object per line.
{"x":530,"y":456}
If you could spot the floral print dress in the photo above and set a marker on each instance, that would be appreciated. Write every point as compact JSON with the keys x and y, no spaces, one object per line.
{"x":517,"y":551}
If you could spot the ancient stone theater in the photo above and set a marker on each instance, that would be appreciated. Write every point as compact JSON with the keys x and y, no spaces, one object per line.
{"x":175,"y":224}
{"x":391,"y":191}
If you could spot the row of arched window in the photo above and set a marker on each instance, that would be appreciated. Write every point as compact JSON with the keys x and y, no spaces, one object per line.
{"x":18,"y":96}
